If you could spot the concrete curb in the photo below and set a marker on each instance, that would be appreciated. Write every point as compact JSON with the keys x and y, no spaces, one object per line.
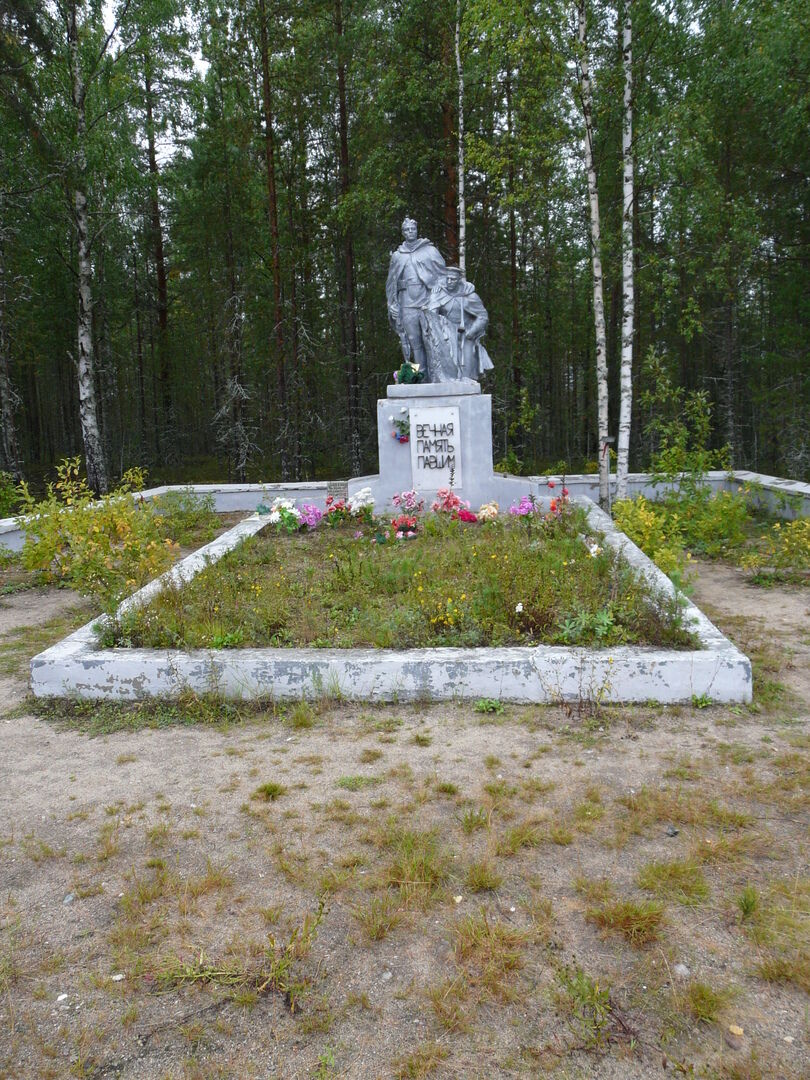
{"x":77,"y":668}
{"x":787,"y":498}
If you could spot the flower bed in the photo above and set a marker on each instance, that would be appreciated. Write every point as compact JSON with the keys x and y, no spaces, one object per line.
{"x":448,"y":577}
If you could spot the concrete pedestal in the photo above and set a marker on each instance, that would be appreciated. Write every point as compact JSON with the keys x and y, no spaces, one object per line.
{"x":449,"y":444}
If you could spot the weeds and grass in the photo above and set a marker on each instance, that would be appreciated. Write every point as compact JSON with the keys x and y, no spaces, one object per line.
{"x":369,"y":755}
{"x":748,"y":903}
{"x":586,"y":1005}
{"x":275,"y":972}
{"x":108,"y":717}
{"x":419,"y":865}
{"x":269,"y":791}
{"x":680,"y":880}
{"x":482,"y":877}
{"x":489,"y":705}
{"x":474,"y":818}
{"x":528,"y":834}
{"x":357,"y":783}
{"x":301,"y":717}
{"x":379,"y":916}
{"x":504,"y":583}
{"x":449,"y":1003}
{"x":704,"y":1002}
{"x":489,"y":952}
{"x":595,"y":890}
{"x":20,"y":644}
{"x":717,"y":526}
{"x":779,"y":924}
{"x":638,"y":922}
{"x":420,"y":1062}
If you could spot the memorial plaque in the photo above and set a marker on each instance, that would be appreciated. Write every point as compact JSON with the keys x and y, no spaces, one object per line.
{"x":435,"y":448}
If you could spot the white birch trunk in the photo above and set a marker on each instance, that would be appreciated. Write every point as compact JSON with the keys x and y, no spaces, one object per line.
{"x":596,"y":260}
{"x":628,"y":284}
{"x":462,"y":205}
{"x":88,"y":409}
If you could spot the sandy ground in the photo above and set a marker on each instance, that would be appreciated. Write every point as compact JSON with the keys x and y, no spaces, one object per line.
{"x":146,"y":888}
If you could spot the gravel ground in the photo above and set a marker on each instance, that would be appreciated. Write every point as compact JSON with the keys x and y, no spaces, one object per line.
{"x":203,"y":900}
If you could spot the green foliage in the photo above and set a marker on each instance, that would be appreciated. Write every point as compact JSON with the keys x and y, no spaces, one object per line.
{"x":509,"y":463}
{"x":785,"y":547}
{"x":587,"y":1005}
{"x":105,"y":548}
{"x":489,"y":705}
{"x":704,"y":523}
{"x":748,"y":902}
{"x":680,"y":423}
{"x":456,"y":585}
{"x":8,"y":494}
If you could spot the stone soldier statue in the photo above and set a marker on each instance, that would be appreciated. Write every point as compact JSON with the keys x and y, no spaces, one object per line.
{"x":458,"y":352}
{"x":415,"y":268}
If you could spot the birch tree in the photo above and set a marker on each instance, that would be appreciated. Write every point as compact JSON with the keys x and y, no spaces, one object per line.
{"x":586,"y":96}
{"x":85,"y":357}
{"x":462,"y":204}
{"x":628,"y":284}
{"x":272,"y":213}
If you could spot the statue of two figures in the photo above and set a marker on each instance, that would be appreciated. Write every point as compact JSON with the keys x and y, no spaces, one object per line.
{"x":437,"y":315}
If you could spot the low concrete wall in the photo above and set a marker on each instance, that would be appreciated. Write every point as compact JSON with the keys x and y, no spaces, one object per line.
{"x":786,"y":498}
{"x":76,"y":667}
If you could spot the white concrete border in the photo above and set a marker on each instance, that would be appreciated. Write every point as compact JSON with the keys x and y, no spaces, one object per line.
{"x":77,"y":667}
{"x":777,"y":495}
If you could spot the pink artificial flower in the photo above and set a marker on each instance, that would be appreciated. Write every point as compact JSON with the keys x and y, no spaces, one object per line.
{"x":565,"y":492}
{"x":552,"y":483}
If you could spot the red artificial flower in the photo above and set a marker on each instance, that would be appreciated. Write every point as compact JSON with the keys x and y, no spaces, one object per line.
{"x":554,"y":506}
{"x":552,"y":483}
{"x":329,"y":500}
{"x":565,"y":492}
{"x":466,"y":515}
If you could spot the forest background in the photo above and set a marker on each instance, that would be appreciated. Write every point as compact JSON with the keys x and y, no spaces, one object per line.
{"x":198,"y":202}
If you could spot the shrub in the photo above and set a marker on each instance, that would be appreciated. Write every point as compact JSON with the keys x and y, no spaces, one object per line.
{"x":785,"y":547}
{"x":706,"y":524}
{"x":108,"y":547}
{"x":657,"y":532}
{"x":8,"y":494}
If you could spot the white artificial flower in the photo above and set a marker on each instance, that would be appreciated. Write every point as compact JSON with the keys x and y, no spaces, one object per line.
{"x":390,"y":419}
{"x":361,"y":499}
{"x":518,"y":609}
{"x":403,"y":409}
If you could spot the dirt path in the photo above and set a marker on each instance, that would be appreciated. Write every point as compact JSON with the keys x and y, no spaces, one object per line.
{"x":30,"y":620}
{"x":776,"y":619}
{"x":537,"y":892}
